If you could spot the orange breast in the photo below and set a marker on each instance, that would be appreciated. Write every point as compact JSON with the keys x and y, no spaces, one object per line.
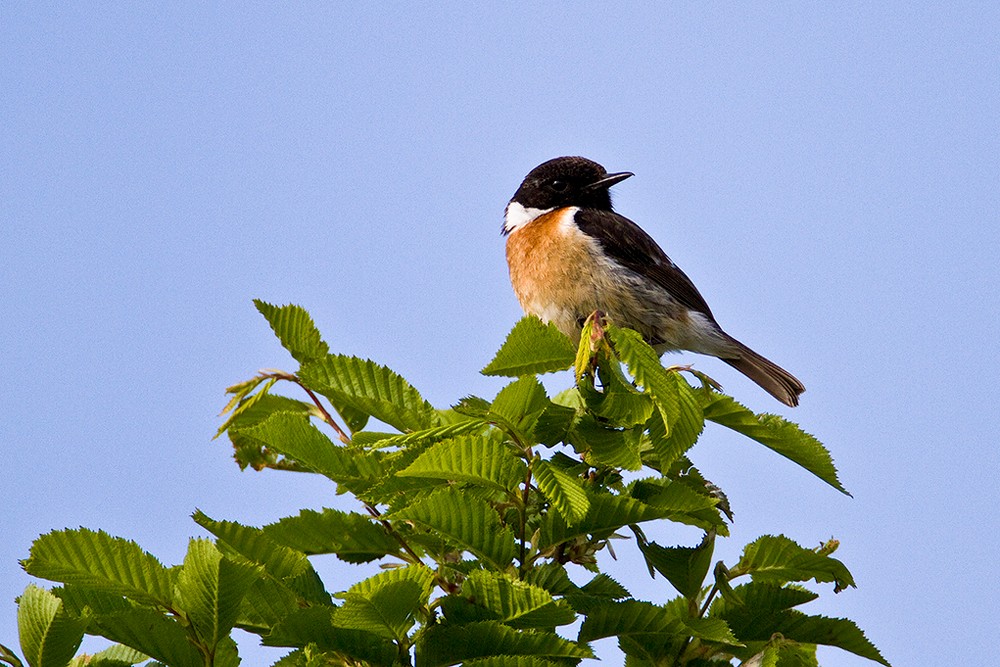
{"x":553,"y":268}
{"x":562,"y":275}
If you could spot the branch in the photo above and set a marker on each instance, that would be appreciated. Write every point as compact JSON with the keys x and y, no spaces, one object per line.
{"x":326,"y":416}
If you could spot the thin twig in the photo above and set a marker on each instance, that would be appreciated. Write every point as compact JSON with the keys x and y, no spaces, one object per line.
{"x":327,"y":417}
{"x":392,"y":531}
{"x":525,"y":496}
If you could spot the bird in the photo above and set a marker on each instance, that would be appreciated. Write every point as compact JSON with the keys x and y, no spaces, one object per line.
{"x":570,"y":254}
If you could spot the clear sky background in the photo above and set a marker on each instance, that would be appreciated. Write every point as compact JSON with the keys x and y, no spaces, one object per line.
{"x":826,"y":173}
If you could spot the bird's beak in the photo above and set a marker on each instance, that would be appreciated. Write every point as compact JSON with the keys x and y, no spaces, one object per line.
{"x":609,"y":180}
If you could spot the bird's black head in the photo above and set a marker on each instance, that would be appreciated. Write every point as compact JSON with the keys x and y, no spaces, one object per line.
{"x":567,"y":181}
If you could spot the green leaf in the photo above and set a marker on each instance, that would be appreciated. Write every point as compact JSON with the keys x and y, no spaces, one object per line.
{"x":840,"y":632}
{"x":386,"y":604}
{"x":562,"y":490}
{"x":515,"y":602}
{"x":151,"y":633}
{"x":295,"y":329}
{"x":776,"y":433}
{"x":778,"y":559}
{"x":296,"y":438}
{"x":468,"y":522}
{"x":618,"y":402}
{"x":630,"y":617}
{"x":520,"y":403}
{"x":511,"y":661}
{"x":532,"y":347}
{"x":97,"y":560}
{"x":313,"y":627}
{"x":115,"y":656}
{"x":614,"y":448}
{"x":49,"y":635}
{"x":553,"y":424}
{"x":670,"y":444}
{"x":388,"y":611}
{"x":419,"y":573}
{"x":479,"y":460}
{"x":287,"y":565}
{"x":353,"y":537}
{"x":367,"y":387}
{"x":684,"y":567}
{"x":766,"y":611}
{"x":672,"y":495}
{"x":266,"y":602}
{"x":644,"y":365}
{"x":607,"y":514}
{"x":425,"y":436}
{"x":605,"y":587}
{"x":210,"y":590}
{"x":259,"y":407}
{"x":450,"y":645}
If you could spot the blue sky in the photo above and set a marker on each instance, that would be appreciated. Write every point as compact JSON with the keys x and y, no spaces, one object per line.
{"x":826,"y":173}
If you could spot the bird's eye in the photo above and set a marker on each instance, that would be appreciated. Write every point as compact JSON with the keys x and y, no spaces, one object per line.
{"x":559,"y":186}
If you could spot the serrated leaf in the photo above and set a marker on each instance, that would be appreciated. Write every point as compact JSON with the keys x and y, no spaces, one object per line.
{"x":562,"y":490}
{"x":295,"y":329}
{"x":295,"y":437}
{"x":151,"y":633}
{"x":532,"y":347}
{"x":644,"y":365}
{"x":778,"y":559}
{"x":98,"y":560}
{"x":49,"y":635}
{"x":419,"y":573}
{"x":388,"y":611}
{"x":259,"y":407}
{"x":671,"y":495}
{"x":251,"y":542}
{"x":450,"y":645}
{"x":287,"y":565}
{"x":630,"y":617}
{"x":266,"y":602}
{"x":684,"y":567}
{"x":712,"y":630}
{"x":670,"y":444}
{"x":614,"y":448}
{"x":515,"y":602}
{"x":553,"y":424}
{"x":607,"y":514}
{"x":116,"y":655}
{"x":511,"y":661}
{"x":520,"y":403}
{"x":618,"y":402}
{"x":434,"y":434}
{"x":365,"y":386}
{"x":469,"y":523}
{"x":755,"y":601}
{"x":605,"y":587}
{"x":777,"y":434}
{"x":354,"y":538}
{"x":552,"y":577}
{"x":478,"y":460}
{"x":805,"y":629}
{"x":210,"y":590}
{"x":313,"y":627}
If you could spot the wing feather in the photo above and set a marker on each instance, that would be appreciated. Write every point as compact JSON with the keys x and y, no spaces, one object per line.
{"x":626,"y":242}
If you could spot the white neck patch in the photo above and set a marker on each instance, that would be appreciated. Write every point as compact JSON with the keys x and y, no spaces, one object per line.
{"x":518,"y":216}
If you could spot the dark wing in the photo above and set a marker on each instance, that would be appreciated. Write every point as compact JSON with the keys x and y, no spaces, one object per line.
{"x":625,"y":242}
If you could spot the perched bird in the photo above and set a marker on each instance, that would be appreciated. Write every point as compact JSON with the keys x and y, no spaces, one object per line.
{"x":570,"y":254}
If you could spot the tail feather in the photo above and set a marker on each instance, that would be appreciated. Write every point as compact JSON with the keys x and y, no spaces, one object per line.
{"x":771,"y":377}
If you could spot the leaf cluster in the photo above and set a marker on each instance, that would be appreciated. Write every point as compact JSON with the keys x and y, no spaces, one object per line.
{"x":488,"y":518}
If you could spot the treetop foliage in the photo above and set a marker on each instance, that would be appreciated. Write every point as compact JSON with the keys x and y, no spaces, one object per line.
{"x":487,"y":518}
